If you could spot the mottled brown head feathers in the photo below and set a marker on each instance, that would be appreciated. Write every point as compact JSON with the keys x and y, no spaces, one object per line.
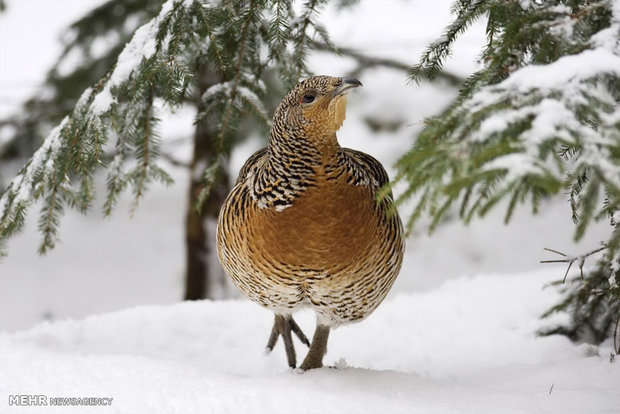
{"x":315,"y":108}
{"x":302,"y":141}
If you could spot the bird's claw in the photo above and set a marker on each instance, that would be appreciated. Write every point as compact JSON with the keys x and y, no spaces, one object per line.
{"x":283,"y":325}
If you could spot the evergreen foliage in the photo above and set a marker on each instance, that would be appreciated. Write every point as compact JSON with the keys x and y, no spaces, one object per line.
{"x":541,"y":117}
{"x":113,"y":126}
{"x":593,"y":303}
{"x":91,"y":45}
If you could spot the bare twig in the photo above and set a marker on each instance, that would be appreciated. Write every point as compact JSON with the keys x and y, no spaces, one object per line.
{"x":616,"y":343}
{"x":572,"y":259}
{"x":173,"y":161}
{"x":367,"y":62}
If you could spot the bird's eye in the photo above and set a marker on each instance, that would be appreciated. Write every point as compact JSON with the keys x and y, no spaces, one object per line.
{"x":308,"y":98}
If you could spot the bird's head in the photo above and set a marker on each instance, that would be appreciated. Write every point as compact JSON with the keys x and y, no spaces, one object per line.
{"x":315,"y":108}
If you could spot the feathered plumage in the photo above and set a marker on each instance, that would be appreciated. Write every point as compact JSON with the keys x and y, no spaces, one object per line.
{"x":303,"y":225}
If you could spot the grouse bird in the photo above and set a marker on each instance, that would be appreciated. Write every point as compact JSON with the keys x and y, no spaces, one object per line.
{"x":304,"y":225}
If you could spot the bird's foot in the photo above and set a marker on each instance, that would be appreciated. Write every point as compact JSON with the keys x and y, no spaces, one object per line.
{"x":318,"y":349}
{"x":311,"y":364}
{"x":282,"y":326}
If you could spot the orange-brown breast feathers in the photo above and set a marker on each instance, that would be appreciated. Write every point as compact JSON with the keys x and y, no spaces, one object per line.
{"x":329,"y":225}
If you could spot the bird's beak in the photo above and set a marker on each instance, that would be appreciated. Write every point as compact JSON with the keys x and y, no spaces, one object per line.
{"x":346,"y":85}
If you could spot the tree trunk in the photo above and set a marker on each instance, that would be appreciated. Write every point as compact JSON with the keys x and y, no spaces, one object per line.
{"x":202,"y":266}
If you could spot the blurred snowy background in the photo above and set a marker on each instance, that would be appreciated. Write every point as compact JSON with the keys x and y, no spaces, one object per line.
{"x":456,"y":333}
{"x":103,"y":265}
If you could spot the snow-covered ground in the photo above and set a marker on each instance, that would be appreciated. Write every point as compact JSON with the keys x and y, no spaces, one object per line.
{"x":456,"y":334}
{"x":467,"y":347}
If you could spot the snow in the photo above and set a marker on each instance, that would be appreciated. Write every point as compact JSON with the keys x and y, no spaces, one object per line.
{"x":550,"y":116}
{"x":565,"y":70}
{"x":141,"y":46}
{"x":552,"y":96}
{"x":252,"y":100}
{"x":456,"y":334}
{"x":215,"y":90}
{"x":608,"y":38}
{"x":517,"y":165}
{"x":22,"y":187}
{"x":438,"y":352}
{"x":599,"y":158}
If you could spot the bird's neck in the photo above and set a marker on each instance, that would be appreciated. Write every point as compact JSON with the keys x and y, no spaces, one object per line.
{"x":289,"y":151}
{"x":293,"y":165}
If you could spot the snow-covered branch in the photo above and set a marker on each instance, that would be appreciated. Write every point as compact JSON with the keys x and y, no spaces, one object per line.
{"x":541,"y":116}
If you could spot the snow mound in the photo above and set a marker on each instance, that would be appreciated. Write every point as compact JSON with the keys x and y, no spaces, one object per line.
{"x":433,"y":352}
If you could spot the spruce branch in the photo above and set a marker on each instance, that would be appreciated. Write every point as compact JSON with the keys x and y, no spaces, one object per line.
{"x":154,"y":64}
{"x":432,"y":59}
{"x":214,"y":44}
{"x":49,"y":219}
{"x":301,"y":37}
{"x":235,"y":85}
{"x":536,"y":119}
{"x":211,"y":172}
{"x":145,"y":149}
{"x":581,"y":259}
{"x":366,"y":62}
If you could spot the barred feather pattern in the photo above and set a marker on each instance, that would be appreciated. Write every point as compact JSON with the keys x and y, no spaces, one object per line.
{"x":303,"y":225}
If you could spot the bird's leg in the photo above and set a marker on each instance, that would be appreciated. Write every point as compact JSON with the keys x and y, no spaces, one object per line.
{"x":318,"y":348}
{"x":288,"y":343}
{"x":277,"y":330}
{"x":275,"y":333}
{"x":298,"y":332}
{"x":283,"y":325}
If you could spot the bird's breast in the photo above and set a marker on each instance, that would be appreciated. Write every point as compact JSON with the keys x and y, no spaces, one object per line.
{"x":330,"y":223}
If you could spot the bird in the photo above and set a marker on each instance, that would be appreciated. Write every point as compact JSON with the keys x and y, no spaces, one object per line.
{"x":308,"y":223}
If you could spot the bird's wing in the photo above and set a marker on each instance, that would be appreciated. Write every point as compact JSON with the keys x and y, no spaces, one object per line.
{"x":252,"y":164}
{"x":374,"y":175}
